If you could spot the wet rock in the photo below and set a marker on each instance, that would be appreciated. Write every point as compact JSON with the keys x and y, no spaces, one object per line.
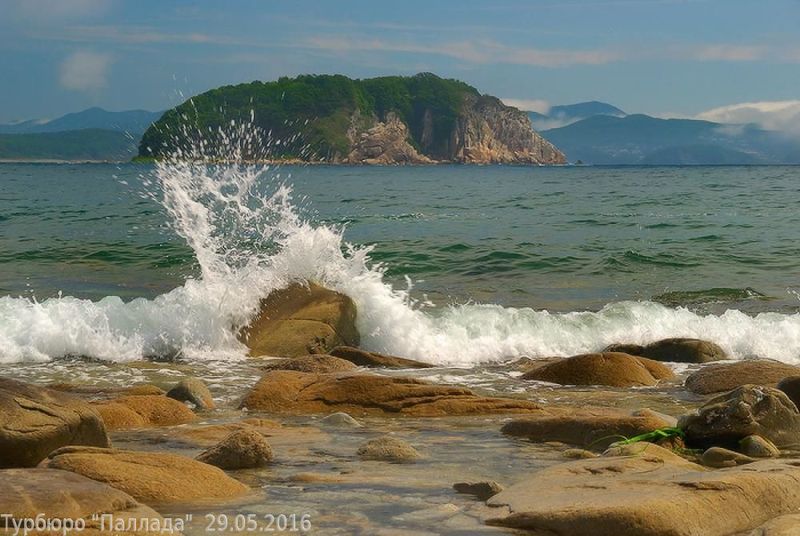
{"x":481,"y":490}
{"x":388,"y":449}
{"x":35,"y":421}
{"x":149,"y":477}
{"x":791,"y":386}
{"x":290,"y":392}
{"x":318,"y":363}
{"x":788,"y":525}
{"x":593,"y":429}
{"x":340,"y":419}
{"x":193,"y":390}
{"x":142,"y":412}
{"x":362,"y":358}
{"x":651,"y":493}
{"x":301,"y":320}
{"x":95,"y":392}
{"x":758,"y":447}
{"x":726,"y":376}
{"x":578,"y":454}
{"x":719,"y":457}
{"x":26,"y":493}
{"x":243,"y":449}
{"x":747,"y":410}
{"x":210,"y":435}
{"x":609,"y":368}
{"x":677,"y":350}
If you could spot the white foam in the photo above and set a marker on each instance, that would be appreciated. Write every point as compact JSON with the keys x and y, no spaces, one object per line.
{"x":249,"y":241}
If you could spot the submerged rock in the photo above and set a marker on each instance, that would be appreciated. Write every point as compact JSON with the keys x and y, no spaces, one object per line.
{"x":143,"y":411}
{"x":150,"y":477}
{"x":650,"y":493}
{"x":300,"y":320}
{"x":291,"y":392}
{"x":193,"y":390}
{"x":340,"y":419}
{"x":594,"y":429}
{"x":362,"y":358}
{"x":726,"y":376}
{"x":388,"y":449}
{"x":54,"y":494}
{"x":481,"y":490}
{"x":319,"y":363}
{"x":676,"y":350}
{"x":719,"y":457}
{"x":747,"y":410}
{"x":34,"y":421}
{"x":242,"y":449}
{"x":609,"y":368}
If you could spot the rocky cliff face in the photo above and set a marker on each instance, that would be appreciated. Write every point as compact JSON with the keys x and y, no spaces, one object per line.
{"x":485,"y":132}
{"x":489,"y":132}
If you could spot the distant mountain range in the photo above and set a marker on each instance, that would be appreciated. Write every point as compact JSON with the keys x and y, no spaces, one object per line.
{"x":599,"y":133}
{"x":93,"y":134}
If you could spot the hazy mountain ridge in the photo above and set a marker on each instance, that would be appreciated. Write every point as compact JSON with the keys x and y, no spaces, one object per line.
{"x":135,"y":122}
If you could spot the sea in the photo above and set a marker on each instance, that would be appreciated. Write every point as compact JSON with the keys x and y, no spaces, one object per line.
{"x":456,"y":265}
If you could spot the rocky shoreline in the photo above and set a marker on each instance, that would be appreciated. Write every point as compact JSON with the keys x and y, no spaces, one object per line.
{"x":619,"y":442}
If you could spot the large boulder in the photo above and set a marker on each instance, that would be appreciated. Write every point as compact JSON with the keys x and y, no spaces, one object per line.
{"x":291,"y":392}
{"x":362,"y":358}
{"x":300,"y":320}
{"x":595,"y":428}
{"x":726,"y":376}
{"x":242,"y":449}
{"x":318,"y":363}
{"x":34,"y":421}
{"x":143,"y":412}
{"x":608,"y":368}
{"x":747,"y":410}
{"x":677,"y":350}
{"x":55,"y":494}
{"x":791,"y":386}
{"x":149,"y":477}
{"x":651,"y":493}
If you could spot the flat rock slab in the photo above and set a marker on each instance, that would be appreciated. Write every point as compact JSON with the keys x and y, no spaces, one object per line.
{"x":614,"y":369}
{"x":149,"y":477}
{"x":300,"y":320}
{"x":34,"y":421}
{"x":654,"y":493}
{"x":362,"y":358}
{"x":291,"y":392}
{"x":727,"y":376}
{"x":589,"y":428}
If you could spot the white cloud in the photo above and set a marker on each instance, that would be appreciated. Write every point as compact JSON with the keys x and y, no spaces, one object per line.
{"x":771,"y":115}
{"x":529,"y":105}
{"x":729,"y":53}
{"x":85,"y":70}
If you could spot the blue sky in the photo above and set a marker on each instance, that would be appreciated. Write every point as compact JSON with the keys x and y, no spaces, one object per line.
{"x":664,"y":57}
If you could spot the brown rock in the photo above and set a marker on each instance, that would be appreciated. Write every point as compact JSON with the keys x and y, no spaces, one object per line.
{"x":143,"y":411}
{"x":318,"y":363}
{"x":34,"y":421}
{"x":243,"y":449}
{"x":388,"y":449}
{"x":719,"y":457}
{"x":651,"y":493}
{"x":788,"y":525}
{"x":791,"y":386}
{"x":677,"y":350}
{"x":595,"y":428}
{"x":747,"y":410}
{"x":150,"y":477}
{"x":210,"y":435}
{"x":727,"y":376}
{"x":101,"y":392}
{"x":386,"y":142}
{"x":55,"y":494}
{"x":610,"y":368}
{"x":291,"y":392}
{"x":481,"y":490}
{"x":756,"y":446}
{"x":578,"y":454}
{"x":301,"y":320}
{"x":193,"y":390}
{"x":362,"y":358}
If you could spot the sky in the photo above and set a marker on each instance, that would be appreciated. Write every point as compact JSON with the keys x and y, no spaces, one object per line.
{"x":726,"y":60}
